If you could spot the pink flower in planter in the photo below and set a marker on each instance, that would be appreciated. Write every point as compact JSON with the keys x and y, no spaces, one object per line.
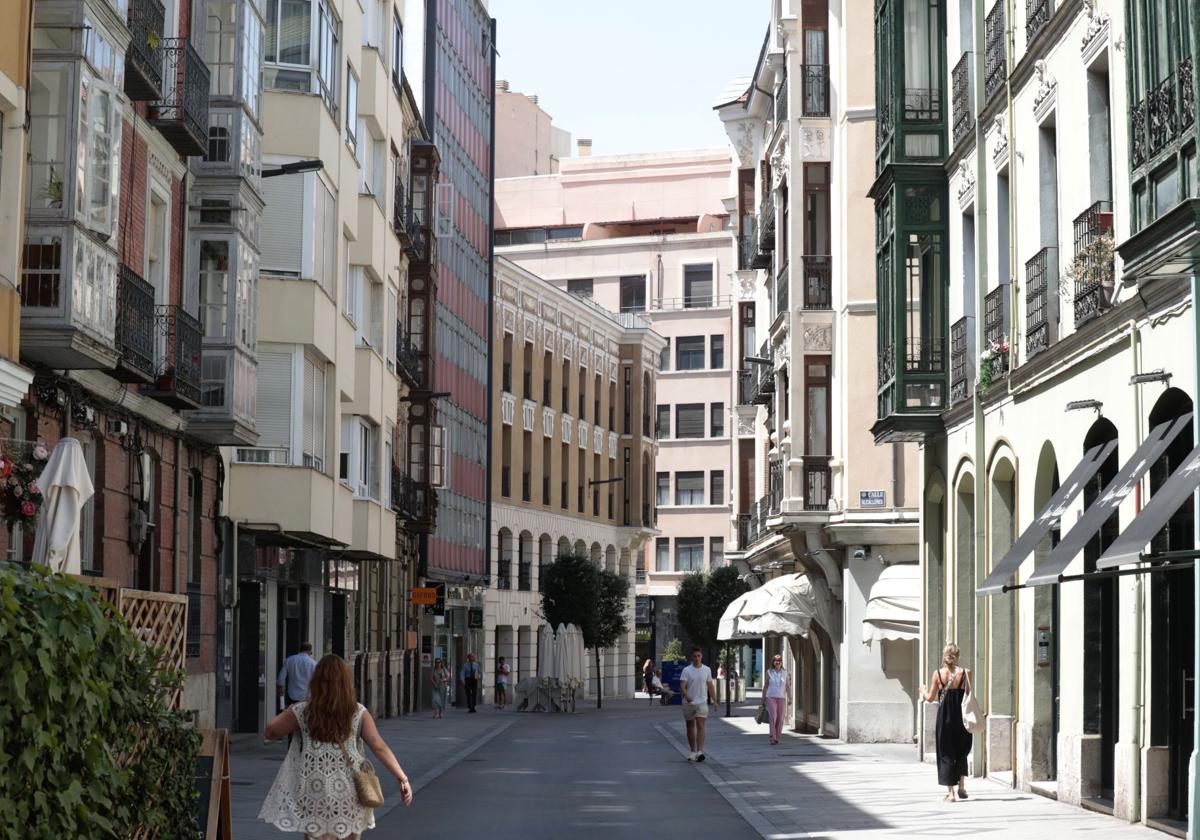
{"x":28,"y":509}
{"x":34,"y":489}
{"x":40,"y":453}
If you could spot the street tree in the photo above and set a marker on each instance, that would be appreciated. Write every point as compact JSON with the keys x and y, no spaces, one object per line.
{"x":575,"y":590}
{"x":702,"y":599}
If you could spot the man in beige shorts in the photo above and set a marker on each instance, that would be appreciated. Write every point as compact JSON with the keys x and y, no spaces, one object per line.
{"x":698,"y":689}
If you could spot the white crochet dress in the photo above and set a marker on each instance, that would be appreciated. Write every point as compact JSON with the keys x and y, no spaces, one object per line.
{"x":314,"y":790}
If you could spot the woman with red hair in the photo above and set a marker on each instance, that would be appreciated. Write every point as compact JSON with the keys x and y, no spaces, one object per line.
{"x":314,"y":791}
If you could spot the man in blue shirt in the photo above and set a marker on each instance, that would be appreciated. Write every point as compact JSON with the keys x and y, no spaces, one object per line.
{"x":293,"y":677}
{"x":470,"y":675}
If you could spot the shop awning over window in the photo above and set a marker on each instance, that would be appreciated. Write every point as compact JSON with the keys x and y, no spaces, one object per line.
{"x":727,"y":629}
{"x":894,"y":605}
{"x":783,"y":606}
{"x":1002,"y":573}
{"x":1174,"y":494}
{"x":1093,"y":519}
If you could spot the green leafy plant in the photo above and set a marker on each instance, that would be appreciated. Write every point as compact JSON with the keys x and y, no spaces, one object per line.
{"x":701,"y":601}
{"x":673,"y":651}
{"x":89,"y":745}
{"x":577,"y":591}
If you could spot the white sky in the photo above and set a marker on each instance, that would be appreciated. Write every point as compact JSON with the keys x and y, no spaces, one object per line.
{"x":633,"y":75}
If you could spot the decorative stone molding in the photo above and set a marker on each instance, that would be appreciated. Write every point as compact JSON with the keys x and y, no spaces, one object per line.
{"x":566,"y":428}
{"x":612,"y":444}
{"x":815,"y":144}
{"x":528,"y":413}
{"x":966,"y":184}
{"x":583,"y":434}
{"x":547,"y":421}
{"x":818,"y":338}
{"x":1095,"y":34}
{"x":779,"y":166}
{"x":745,"y":423}
{"x":1047,"y":86}
{"x":1000,"y":151}
{"x":742,"y":138}
{"x":510,"y":320}
{"x":747,"y":282}
{"x":508,"y":404}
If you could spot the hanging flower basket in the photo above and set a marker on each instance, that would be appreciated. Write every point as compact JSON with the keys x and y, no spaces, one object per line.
{"x":20,"y":497}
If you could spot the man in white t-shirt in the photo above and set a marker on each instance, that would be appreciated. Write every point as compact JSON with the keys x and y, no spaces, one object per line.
{"x":698,"y":689}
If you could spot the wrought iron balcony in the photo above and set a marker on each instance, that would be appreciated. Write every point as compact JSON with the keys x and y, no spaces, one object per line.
{"x":816,"y":482}
{"x":960,"y":87}
{"x":177,"y":380}
{"x":995,"y":64}
{"x":816,"y":90}
{"x":181,"y":115}
{"x":1163,"y":115}
{"x":143,"y":59}
{"x":782,"y":281}
{"x":1093,"y":267}
{"x":1041,"y":277}
{"x":995,"y":333}
{"x":749,"y":255}
{"x":818,"y":284}
{"x":766,"y":224}
{"x":781,"y":95}
{"x":401,"y":213}
{"x":960,"y":372}
{"x":1037,"y":15}
{"x":135,"y":328}
{"x":408,"y":358}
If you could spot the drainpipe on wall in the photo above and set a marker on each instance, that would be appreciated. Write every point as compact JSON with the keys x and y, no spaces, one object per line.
{"x":982,"y":628}
{"x":1014,"y":302}
{"x":175,"y":523}
{"x":1139,"y":597}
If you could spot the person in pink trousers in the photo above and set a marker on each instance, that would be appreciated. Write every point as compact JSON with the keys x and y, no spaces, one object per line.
{"x":777,"y":696}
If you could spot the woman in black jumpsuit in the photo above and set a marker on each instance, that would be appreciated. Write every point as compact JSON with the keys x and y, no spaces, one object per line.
{"x":948,"y":685}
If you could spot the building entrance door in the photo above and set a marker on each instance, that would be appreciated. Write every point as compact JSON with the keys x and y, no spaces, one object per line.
{"x":248,"y":686}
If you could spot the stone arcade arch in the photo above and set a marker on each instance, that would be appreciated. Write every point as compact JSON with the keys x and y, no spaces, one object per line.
{"x":1002,"y":658}
{"x":1039,"y":739}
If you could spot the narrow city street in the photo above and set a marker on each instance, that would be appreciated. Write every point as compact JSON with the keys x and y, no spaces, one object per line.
{"x":622,"y":772}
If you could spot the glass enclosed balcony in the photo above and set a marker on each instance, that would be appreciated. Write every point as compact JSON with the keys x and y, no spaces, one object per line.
{"x":68,"y":300}
{"x":910,"y":42}
{"x":228,"y":390}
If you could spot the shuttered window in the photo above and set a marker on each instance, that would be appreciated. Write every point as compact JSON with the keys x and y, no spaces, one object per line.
{"x":689,"y":488}
{"x":314,"y":413}
{"x":273,"y":414}
{"x":325,"y":237}
{"x":663,"y":422}
{"x":697,"y":286}
{"x":689,"y":420}
{"x":282,"y":231}
{"x":689,"y":352}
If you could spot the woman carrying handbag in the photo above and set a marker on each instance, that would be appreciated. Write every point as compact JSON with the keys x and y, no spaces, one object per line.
{"x":951,"y":686}
{"x":326,"y":788}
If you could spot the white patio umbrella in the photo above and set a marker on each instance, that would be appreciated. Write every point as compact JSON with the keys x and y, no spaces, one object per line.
{"x":578,"y":654}
{"x":545,"y":658}
{"x":66,"y":487}
{"x":561,"y":662}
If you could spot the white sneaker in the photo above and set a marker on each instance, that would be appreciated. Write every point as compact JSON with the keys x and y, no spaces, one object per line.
{"x":691,"y":756}
{"x":699,"y":756}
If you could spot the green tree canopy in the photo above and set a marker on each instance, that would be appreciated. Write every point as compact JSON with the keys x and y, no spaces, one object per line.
{"x":701,"y":600}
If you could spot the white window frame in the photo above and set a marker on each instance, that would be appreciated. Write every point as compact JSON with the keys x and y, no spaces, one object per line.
{"x":352,"y":300}
{"x":313,"y":457}
{"x":352,"y":125}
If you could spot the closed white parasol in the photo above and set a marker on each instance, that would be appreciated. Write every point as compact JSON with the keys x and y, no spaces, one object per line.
{"x":66,"y":487}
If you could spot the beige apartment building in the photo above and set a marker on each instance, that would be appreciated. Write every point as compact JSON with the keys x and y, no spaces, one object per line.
{"x":813,"y":494}
{"x":527,"y":141}
{"x":572,"y":459}
{"x":14,"y":86}
{"x":331,"y":500}
{"x":648,"y":234}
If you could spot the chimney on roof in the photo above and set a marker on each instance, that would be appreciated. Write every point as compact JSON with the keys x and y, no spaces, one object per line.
{"x":583,"y":147}
{"x":501,"y":84}
{"x":533,"y":98}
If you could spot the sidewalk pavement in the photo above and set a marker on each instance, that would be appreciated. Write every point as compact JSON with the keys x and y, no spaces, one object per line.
{"x":424,"y":747}
{"x":817,"y":787}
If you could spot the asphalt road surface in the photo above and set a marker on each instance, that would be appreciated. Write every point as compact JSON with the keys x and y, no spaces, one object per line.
{"x":606,"y":774}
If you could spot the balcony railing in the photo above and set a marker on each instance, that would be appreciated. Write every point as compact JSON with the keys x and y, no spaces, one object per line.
{"x":672,"y":304}
{"x":995,"y":65}
{"x":960,"y":87}
{"x":408,"y":358}
{"x":177,"y":380}
{"x":748,"y":254}
{"x":1041,"y":277}
{"x":143,"y":59}
{"x":1163,"y":115}
{"x":818,"y":287}
{"x":1093,"y":267}
{"x":781,"y":95}
{"x":816,"y":482}
{"x":782,"y":280}
{"x":135,"y":328}
{"x":816,"y":90}
{"x":401,"y":213}
{"x":995,"y":332}
{"x":766,"y":222}
{"x":1037,"y":15}
{"x":181,"y":115}
{"x":960,"y":372}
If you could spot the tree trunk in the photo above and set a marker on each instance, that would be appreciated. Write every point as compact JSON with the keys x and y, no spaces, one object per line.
{"x":599,"y":680}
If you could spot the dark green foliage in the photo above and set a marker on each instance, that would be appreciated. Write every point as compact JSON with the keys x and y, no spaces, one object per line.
{"x":701,"y":600}
{"x":89,"y":747}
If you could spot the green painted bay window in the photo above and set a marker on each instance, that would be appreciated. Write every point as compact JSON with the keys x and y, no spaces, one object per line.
{"x":909,"y":81}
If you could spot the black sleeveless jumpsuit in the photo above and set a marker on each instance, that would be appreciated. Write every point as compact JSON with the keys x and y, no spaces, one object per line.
{"x":953,"y":739}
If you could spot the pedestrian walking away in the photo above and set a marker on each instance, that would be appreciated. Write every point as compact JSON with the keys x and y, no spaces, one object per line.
{"x":948,"y":684}
{"x":699,"y":691}
{"x":502,"y":672}
{"x":777,"y":696}
{"x":470,"y":679}
{"x":440,"y":680}
{"x":297,"y":670}
{"x":314,"y":793}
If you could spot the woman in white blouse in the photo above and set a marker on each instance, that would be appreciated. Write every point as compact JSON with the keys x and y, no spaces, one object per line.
{"x":777,"y":696}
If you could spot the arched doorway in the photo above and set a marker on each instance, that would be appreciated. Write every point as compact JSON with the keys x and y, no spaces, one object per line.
{"x":1043,"y":763}
{"x":964,"y":567}
{"x":1001,"y":670}
{"x":1101,"y":622}
{"x":544,"y":557}
{"x":1172,"y":617}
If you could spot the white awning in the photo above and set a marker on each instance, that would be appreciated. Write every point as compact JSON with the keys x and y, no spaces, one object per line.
{"x":785,"y":606}
{"x":729,"y":627}
{"x":894,"y":606}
